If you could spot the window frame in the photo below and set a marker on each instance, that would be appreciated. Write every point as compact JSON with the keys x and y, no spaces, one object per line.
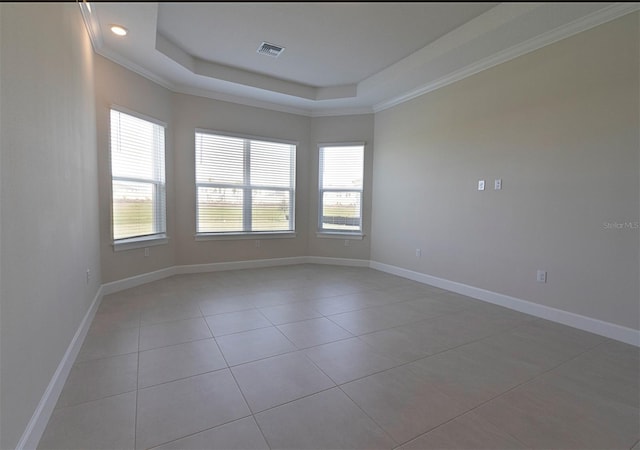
{"x":328,"y":233}
{"x":247,"y":189}
{"x":159,"y":203}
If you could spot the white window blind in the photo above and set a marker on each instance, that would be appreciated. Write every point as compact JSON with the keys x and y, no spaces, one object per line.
{"x":244,"y":185}
{"x":138,"y":177}
{"x":341,"y":172}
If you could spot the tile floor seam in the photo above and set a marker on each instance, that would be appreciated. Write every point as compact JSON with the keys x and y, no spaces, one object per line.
{"x":527,"y":446}
{"x":338,"y":325}
{"x":429,"y":356}
{"x":520,"y":322}
{"x":239,"y":387}
{"x":101,"y":357}
{"x":176,"y":344}
{"x":528,"y":381}
{"x":198,"y":432}
{"x":323,"y":343}
{"x":169,"y":321}
{"x":243,"y":331}
{"x":135,"y":416}
{"x":367,"y":414}
{"x":219,"y":349}
{"x":244,"y":398}
{"x":293,"y":400}
{"x":253,"y":416}
{"x":59,"y":408}
{"x":423,"y":357}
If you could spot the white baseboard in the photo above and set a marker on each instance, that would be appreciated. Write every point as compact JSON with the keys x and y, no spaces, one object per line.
{"x":337,"y":261}
{"x":137,"y":280}
{"x":40,"y":418}
{"x":600,"y":327}
{"x":249,"y":264}
{"x":42,"y":414}
{"x":596,"y":326}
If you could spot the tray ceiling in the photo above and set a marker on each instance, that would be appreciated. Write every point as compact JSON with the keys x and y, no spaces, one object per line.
{"x":339,"y":58}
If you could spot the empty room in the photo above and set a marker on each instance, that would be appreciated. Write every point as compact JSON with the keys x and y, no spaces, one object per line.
{"x":318,"y":225}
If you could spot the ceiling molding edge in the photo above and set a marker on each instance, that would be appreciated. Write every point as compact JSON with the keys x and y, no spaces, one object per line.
{"x":92,"y":25}
{"x":240,"y":100}
{"x":592,"y":20}
{"x":128,"y":64}
{"x":94,"y":31}
{"x":214,"y":95}
{"x":582,"y":24}
{"x":340,"y":112}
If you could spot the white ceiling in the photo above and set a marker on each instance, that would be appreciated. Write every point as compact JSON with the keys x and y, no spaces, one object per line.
{"x":339,"y":58}
{"x":326,"y":44}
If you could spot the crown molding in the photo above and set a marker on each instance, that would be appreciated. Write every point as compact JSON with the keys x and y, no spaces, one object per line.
{"x":91,"y":24}
{"x":330,"y":112}
{"x":240,"y":100}
{"x":492,"y":19}
{"x":128,"y":64}
{"x":584,"y":23}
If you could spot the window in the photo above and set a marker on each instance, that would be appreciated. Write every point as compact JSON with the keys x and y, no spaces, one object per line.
{"x":138,"y":178}
{"x":244,"y":185}
{"x":340,"y":177}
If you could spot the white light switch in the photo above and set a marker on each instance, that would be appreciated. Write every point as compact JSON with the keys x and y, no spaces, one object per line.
{"x":497,"y":184}
{"x":541,"y":276}
{"x":481,"y":185}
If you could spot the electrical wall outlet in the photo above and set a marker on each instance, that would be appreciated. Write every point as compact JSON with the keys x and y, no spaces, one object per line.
{"x":88,"y":275}
{"x":481,"y":185}
{"x":497,"y":184}
{"x":418,"y":253}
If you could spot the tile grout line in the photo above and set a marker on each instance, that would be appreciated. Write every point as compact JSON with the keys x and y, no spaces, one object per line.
{"x":443,"y":351}
{"x":367,"y":414}
{"x":530,"y":380}
{"x":135,"y":417}
{"x":352,"y":401}
{"x":296,"y":350}
{"x":238,"y":386}
{"x":200,"y":431}
{"x":520,"y":324}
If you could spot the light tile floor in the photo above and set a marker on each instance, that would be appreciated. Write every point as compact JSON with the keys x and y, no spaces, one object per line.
{"x":326,"y":357}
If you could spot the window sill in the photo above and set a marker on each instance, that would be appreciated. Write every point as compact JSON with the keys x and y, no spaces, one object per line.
{"x":242,"y":236}
{"x":141,"y":242}
{"x":338,"y":235}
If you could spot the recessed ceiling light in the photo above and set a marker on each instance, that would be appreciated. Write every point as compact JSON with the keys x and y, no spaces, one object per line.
{"x":118,"y":30}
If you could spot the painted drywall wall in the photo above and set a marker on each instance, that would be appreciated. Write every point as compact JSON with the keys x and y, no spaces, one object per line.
{"x":559,"y":126}
{"x":49,"y":230}
{"x":341,"y":129}
{"x":190,"y":112}
{"x":116,"y":85}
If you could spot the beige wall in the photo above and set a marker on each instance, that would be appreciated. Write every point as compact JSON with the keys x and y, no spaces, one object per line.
{"x":116,"y":85}
{"x":183,"y":114}
{"x":191,"y":112}
{"x":49,"y":230}
{"x":341,"y":129}
{"x":559,"y":126}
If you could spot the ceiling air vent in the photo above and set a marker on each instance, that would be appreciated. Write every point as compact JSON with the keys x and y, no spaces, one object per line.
{"x":270,"y":49}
